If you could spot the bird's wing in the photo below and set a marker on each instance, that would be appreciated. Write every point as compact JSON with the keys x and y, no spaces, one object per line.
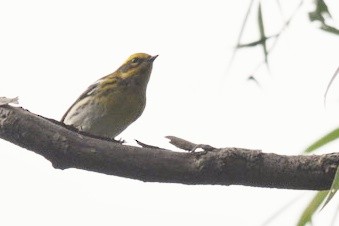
{"x":88,"y":92}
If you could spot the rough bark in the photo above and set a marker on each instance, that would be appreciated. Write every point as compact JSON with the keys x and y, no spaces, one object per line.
{"x":66,"y":148}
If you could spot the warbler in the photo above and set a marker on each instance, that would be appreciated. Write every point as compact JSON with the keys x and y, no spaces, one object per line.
{"x":115,"y":101}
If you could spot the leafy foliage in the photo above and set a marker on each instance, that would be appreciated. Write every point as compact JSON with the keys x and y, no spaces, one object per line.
{"x":331,"y":136}
{"x":321,"y":14}
{"x":311,"y":208}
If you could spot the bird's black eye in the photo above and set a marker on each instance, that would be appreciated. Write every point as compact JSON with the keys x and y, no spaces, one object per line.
{"x":135,"y":60}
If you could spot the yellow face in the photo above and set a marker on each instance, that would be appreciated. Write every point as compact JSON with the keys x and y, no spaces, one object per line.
{"x":137,"y":64}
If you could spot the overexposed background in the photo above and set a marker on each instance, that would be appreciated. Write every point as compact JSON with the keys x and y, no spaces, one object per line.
{"x":52,"y":51}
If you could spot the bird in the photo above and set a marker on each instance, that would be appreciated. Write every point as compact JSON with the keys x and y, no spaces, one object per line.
{"x":113,"y":102}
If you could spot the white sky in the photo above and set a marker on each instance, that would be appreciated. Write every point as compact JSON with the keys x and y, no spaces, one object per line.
{"x":51,"y":52}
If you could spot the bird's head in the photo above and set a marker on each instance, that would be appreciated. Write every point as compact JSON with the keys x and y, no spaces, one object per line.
{"x":138,"y":66}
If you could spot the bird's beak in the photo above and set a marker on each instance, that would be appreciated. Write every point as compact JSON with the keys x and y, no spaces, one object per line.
{"x":152,"y":58}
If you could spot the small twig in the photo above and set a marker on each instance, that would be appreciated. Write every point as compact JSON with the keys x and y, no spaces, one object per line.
{"x":187,"y":145}
{"x":277,"y":36}
{"x":146,"y":145}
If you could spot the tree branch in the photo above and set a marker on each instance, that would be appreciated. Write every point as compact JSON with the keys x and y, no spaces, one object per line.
{"x":66,"y":148}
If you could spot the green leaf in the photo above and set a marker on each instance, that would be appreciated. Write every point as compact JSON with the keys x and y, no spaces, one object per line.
{"x":331,"y":136}
{"x":329,"y":29}
{"x":258,"y":42}
{"x":262,"y":32}
{"x":319,"y":14}
{"x":309,"y":211}
{"x":320,"y":11}
{"x":322,"y":8}
{"x":240,"y":34}
{"x":319,"y":198}
{"x":334,"y":188}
